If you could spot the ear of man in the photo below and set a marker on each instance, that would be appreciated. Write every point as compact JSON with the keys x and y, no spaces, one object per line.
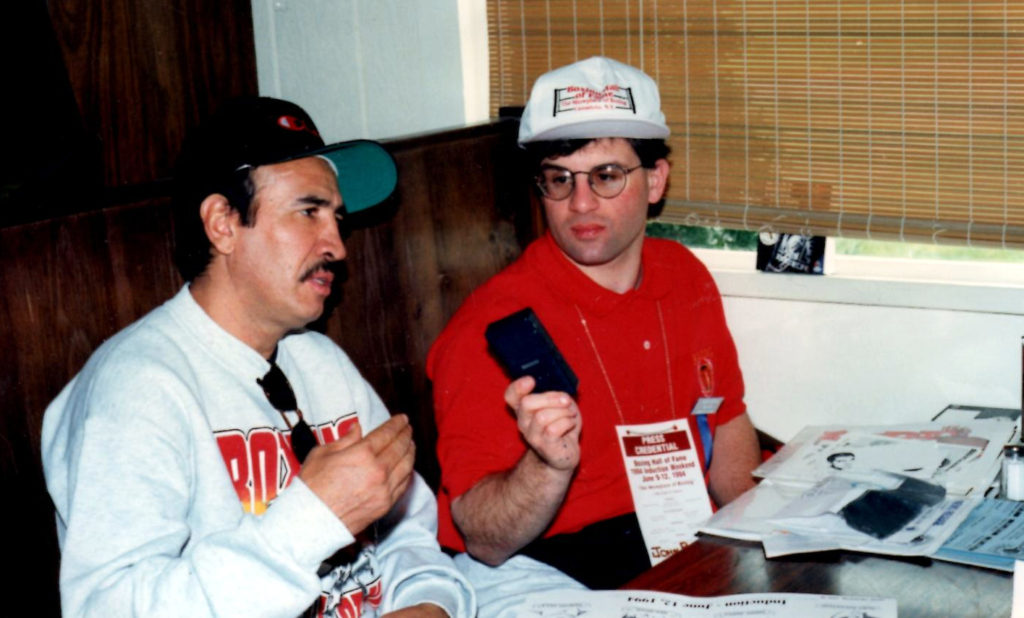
{"x":221,"y":223}
{"x":657,"y":180}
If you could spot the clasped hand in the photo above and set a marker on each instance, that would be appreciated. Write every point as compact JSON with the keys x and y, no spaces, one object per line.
{"x":360,"y":478}
{"x":549,"y":422}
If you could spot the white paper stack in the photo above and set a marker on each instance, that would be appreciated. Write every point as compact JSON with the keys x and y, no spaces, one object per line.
{"x":962,"y":456}
{"x":798,"y":506}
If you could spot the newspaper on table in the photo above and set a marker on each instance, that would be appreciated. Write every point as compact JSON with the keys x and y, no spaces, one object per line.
{"x":960,"y":455}
{"x":647,"y":604}
{"x":992,"y":536}
{"x":787,"y":519}
{"x":799,"y":505}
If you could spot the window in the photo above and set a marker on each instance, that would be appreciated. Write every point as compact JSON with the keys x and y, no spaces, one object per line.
{"x":699,"y":237}
{"x":850,"y":118}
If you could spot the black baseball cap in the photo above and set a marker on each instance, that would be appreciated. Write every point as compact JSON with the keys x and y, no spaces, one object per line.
{"x":247,"y":132}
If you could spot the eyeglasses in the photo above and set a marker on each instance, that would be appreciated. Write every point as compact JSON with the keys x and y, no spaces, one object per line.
{"x":607,"y":180}
{"x":279,"y":393}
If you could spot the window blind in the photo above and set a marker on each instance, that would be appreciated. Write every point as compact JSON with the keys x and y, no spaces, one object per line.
{"x":867,"y":118}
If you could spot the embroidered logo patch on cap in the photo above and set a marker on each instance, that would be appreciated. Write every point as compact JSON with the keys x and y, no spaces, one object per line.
{"x":583,"y":99}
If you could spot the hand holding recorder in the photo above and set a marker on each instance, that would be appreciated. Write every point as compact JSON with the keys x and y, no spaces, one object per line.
{"x":541,"y":393}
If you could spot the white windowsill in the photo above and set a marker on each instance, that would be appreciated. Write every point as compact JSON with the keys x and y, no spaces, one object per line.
{"x":983,"y":287}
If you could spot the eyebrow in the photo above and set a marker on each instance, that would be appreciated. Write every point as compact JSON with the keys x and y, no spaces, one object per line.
{"x":314,"y":200}
{"x":320,"y":202}
{"x":562,"y":167}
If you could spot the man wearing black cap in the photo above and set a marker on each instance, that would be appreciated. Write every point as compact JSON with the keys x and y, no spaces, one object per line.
{"x":217,"y":459}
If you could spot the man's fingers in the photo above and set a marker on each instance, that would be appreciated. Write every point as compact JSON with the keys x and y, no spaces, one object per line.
{"x":539,"y":411}
{"x":550,"y":413}
{"x":360,"y":482}
{"x":535,"y":403}
{"x":381,"y":437}
{"x":401,"y":474}
{"x":400,"y":447}
{"x":560,"y":427}
{"x":353,"y":435}
{"x":517,"y":389}
{"x":349,"y":438}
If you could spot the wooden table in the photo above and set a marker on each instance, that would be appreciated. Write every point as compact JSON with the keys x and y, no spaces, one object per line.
{"x":716,"y":566}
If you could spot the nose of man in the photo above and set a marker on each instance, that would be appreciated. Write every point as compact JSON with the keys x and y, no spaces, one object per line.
{"x":582,"y":199}
{"x":331,"y":245}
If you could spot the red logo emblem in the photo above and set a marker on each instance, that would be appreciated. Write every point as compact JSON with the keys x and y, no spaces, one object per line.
{"x":706,"y":376}
{"x":293,"y":123}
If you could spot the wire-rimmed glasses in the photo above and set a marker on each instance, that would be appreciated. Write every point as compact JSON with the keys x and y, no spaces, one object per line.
{"x":606,"y":180}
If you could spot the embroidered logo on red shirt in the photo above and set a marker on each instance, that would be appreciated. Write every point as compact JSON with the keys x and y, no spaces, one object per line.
{"x":706,"y":376}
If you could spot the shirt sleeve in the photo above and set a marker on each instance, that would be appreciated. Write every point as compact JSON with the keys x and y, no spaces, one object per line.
{"x":412,"y":564}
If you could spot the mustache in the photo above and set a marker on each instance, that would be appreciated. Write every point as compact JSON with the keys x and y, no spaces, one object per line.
{"x":327,"y":265}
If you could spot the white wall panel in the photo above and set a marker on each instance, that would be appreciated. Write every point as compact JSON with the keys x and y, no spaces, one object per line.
{"x":363,"y":68}
{"x":817,"y":363}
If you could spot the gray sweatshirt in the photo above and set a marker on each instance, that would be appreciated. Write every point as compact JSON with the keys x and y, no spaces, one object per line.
{"x":177,"y":494}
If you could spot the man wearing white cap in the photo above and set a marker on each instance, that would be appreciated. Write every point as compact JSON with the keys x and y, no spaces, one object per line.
{"x":216,"y":458}
{"x":536,"y":481}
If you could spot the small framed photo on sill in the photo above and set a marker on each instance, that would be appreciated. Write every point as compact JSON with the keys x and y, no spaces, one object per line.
{"x":791,"y":253}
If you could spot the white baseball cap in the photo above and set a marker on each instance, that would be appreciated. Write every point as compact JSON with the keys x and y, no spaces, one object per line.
{"x":596,"y":97}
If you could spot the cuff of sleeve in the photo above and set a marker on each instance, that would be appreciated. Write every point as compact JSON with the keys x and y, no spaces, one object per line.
{"x":301,"y":525}
{"x":427,"y":586}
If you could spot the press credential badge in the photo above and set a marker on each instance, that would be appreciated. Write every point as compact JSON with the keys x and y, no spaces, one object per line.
{"x":667,"y":483}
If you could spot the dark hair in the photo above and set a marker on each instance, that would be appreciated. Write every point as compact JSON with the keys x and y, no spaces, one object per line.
{"x":192,"y":248}
{"x":648,"y":150}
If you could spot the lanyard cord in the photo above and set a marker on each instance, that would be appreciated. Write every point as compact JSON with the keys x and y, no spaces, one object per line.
{"x":604,"y":372}
{"x":668,"y":362}
{"x":600,"y":364}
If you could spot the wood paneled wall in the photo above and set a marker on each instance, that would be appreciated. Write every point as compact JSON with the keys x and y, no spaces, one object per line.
{"x":101,"y":93}
{"x":144,"y":72}
{"x":461,"y":213}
